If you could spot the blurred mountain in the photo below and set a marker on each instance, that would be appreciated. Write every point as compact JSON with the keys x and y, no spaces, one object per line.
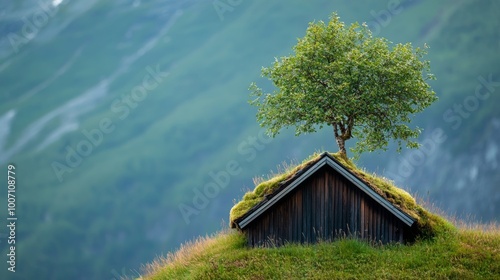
{"x":129,"y":126}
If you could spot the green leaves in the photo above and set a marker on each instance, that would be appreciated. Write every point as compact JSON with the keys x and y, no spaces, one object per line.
{"x":344,"y":77}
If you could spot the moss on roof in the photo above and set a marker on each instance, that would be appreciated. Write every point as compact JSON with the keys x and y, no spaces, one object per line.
{"x":427,"y":224}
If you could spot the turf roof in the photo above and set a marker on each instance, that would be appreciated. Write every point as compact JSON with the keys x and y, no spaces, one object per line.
{"x":427,"y":223}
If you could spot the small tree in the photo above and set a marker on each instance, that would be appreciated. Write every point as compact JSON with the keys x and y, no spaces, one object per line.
{"x":348,"y":79}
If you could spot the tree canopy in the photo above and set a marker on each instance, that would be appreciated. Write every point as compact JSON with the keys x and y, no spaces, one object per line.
{"x":363,"y":86}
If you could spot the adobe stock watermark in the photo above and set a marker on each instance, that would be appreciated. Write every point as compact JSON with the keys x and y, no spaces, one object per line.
{"x":223,"y":6}
{"x":454,"y":116}
{"x":471,"y":103}
{"x":32,"y":25}
{"x":415,"y":158}
{"x":94,"y":137}
{"x":384,"y":17}
{"x":248,"y":148}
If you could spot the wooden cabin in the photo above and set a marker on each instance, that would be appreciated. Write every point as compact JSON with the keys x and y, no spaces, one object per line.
{"x":321,"y":202}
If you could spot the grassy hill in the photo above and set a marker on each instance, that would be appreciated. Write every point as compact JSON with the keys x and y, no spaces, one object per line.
{"x":441,"y":250}
{"x":468,"y":253}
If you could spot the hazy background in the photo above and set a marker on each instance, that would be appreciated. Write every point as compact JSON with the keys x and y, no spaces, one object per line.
{"x":109,"y":149}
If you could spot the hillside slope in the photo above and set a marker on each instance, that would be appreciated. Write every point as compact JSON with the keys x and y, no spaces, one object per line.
{"x":466,"y":254}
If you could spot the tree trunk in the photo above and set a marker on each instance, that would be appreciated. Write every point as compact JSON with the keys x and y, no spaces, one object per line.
{"x":339,"y":137}
{"x":341,"y":143}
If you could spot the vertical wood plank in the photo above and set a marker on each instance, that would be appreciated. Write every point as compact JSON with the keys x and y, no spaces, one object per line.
{"x":362,"y":212}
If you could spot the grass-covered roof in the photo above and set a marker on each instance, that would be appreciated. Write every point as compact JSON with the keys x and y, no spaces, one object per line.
{"x":427,"y":223}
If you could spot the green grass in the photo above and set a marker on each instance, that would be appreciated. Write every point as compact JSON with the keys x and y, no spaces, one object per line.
{"x":463,"y":254}
{"x":428,"y":224}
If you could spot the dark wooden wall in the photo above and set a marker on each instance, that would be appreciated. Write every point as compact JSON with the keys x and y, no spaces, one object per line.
{"x":323,"y":207}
